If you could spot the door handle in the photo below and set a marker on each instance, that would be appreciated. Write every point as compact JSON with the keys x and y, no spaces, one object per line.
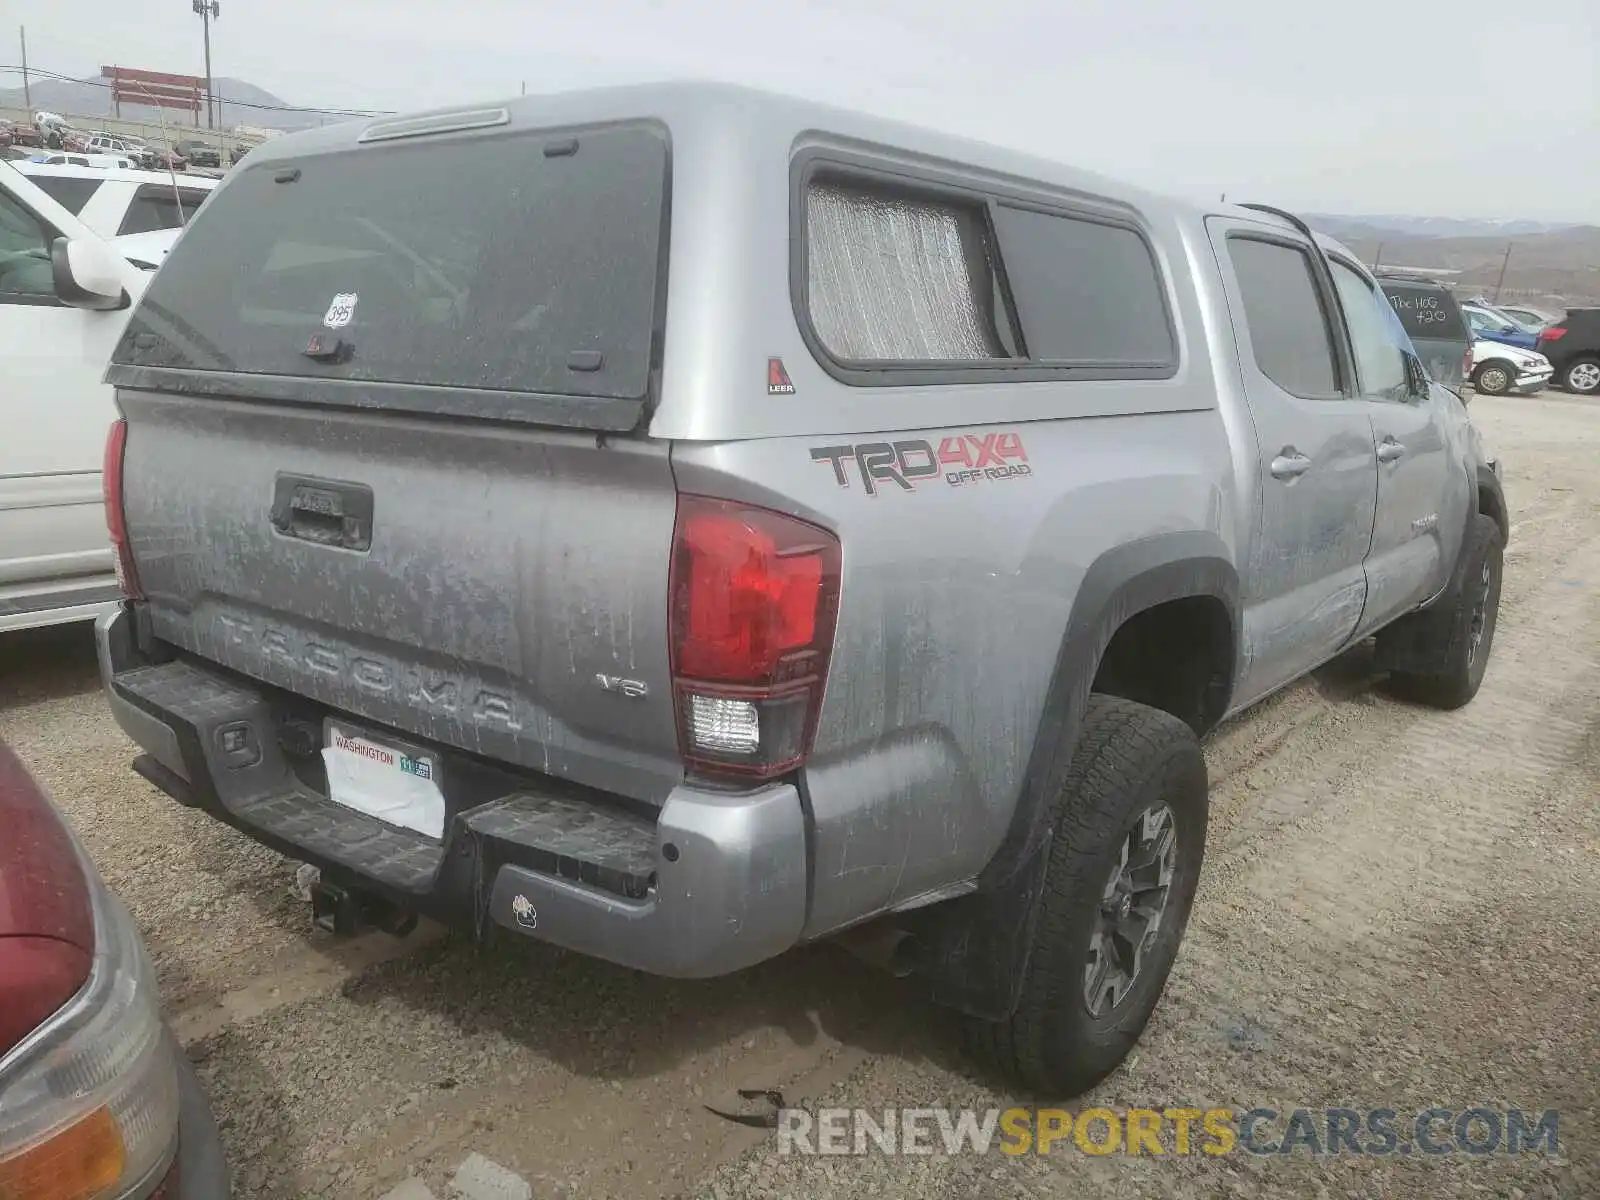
{"x":1389,"y":450}
{"x":1290,"y":464}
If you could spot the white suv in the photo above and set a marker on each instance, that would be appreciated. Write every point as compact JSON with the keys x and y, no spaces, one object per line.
{"x":65,"y":294}
{"x":122,"y":204}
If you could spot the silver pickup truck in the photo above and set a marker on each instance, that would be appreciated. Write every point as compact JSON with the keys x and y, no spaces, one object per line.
{"x":679,"y":523}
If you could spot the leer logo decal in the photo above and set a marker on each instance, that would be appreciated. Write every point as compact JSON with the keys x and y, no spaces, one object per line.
{"x":778,"y":381}
{"x":962,"y":459}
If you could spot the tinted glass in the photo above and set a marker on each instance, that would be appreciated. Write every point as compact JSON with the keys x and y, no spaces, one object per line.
{"x":1085,"y":292}
{"x":1426,"y":312}
{"x":156,"y":207}
{"x":1283,"y":312}
{"x":24,"y":253}
{"x":1380,"y":361}
{"x":896,"y":276}
{"x":71,"y":194}
{"x":473,"y":263}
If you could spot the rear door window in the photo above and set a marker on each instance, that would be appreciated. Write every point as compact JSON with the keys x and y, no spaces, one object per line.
{"x":1427,"y":313}
{"x":477,"y":262}
{"x":156,"y":207}
{"x":1284,"y":316}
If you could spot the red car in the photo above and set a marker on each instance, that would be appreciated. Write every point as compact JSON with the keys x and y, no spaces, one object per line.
{"x":97,"y":1102}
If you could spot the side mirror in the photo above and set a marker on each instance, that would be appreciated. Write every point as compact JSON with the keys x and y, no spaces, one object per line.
{"x":87,"y":274}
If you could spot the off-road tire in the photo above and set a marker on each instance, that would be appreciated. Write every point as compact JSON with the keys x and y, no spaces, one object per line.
{"x":1129,"y":759}
{"x":1589,"y":362}
{"x":1439,"y":660}
{"x":1492,"y":370}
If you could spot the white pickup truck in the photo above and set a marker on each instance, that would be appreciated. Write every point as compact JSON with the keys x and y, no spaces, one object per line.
{"x":65,"y":294}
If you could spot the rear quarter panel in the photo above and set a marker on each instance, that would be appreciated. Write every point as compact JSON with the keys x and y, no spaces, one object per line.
{"x":956,"y":593}
{"x":955,"y":598}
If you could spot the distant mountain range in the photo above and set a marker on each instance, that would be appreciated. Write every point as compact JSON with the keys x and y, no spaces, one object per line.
{"x":1435,"y":226}
{"x":242,"y":104}
{"x":1553,"y":264}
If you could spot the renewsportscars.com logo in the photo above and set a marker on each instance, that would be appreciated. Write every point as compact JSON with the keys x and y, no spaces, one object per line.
{"x":1376,"y":1132}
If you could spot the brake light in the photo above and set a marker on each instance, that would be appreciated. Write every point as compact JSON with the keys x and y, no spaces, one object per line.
{"x":1466,"y":362}
{"x":754,"y":602}
{"x":1553,"y":333}
{"x":116,"y":515}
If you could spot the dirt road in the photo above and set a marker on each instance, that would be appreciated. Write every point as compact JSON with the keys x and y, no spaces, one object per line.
{"x":1400,"y":909}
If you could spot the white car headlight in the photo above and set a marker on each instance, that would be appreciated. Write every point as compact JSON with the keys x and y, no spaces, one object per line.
{"x":90,"y":1100}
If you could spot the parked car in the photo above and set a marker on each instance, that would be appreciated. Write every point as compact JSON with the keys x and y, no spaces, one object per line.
{"x":62,"y":159}
{"x":105,"y":143}
{"x":199,"y":154}
{"x":117,"y":203}
{"x":676,"y":674}
{"x":158,"y":156}
{"x":1498,"y":368}
{"x":1529,"y":318}
{"x":1572,"y":345}
{"x":1432,"y":318}
{"x":64,"y":298}
{"x":100,"y":1102}
{"x":1491,"y":325}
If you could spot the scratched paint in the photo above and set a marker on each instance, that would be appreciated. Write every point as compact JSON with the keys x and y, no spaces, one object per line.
{"x":508,"y":569}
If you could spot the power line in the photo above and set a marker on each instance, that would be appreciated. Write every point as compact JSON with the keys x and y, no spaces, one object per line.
{"x":35,"y":72}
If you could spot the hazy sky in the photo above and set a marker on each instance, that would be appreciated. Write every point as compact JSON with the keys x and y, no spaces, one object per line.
{"x":1487,"y":108}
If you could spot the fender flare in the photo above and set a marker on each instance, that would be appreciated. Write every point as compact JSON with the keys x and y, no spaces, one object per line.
{"x":1489,"y":481}
{"x":975,"y":949}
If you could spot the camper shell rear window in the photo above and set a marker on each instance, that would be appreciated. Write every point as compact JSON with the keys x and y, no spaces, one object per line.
{"x":517,"y":275}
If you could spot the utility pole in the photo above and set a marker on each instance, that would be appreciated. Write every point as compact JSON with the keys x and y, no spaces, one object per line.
{"x":1503,"y":262}
{"x":27,"y":96}
{"x":209,"y":10}
{"x":1377,"y":258}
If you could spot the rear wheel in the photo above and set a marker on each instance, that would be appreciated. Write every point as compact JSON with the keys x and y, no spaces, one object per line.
{"x":1494,"y":378}
{"x":1582,"y":376}
{"x":1129,"y":836}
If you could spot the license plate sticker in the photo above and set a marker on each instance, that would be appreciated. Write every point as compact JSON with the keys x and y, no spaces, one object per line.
{"x":394,"y":783}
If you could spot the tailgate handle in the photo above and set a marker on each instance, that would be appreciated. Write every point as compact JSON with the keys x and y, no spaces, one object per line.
{"x":323,"y":511}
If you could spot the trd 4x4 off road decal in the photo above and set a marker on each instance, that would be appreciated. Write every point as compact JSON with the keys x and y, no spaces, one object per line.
{"x":960,"y":459}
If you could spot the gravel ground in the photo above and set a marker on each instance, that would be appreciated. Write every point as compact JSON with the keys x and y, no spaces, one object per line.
{"x":1400,"y":909}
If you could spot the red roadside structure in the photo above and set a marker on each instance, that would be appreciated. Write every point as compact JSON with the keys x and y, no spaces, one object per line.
{"x":155,"y":89}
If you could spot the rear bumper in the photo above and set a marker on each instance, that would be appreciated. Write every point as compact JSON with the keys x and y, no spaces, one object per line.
{"x":712,"y":883}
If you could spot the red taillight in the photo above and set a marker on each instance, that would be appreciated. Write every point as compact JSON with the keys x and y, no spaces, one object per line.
{"x":755,"y":596}
{"x":1466,"y":363}
{"x":1553,"y":333}
{"x":116,"y":516}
